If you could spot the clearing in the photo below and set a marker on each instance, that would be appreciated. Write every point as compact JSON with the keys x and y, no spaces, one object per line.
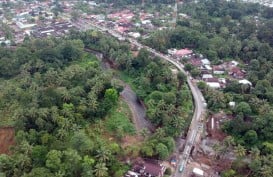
{"x":6,"y":139}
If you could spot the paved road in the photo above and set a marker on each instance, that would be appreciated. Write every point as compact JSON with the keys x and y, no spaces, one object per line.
{"x":138,"y":110}
{"x":129,"y":96}
{"x":196,"y":123}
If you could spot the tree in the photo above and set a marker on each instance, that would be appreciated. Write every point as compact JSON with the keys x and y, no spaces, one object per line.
{"x":6,"y":164}
{"x":39,"y":155}
{"x":71,"y":162}
{"x":255,"y":153}
{"x":81,"y":142}
{"x":251,"y":138}
{"x":101,"y":170}
{"x":162,"y":151}
{"x":240,"y":151}
{"x":87,"y":165}
{"x":39,"y":171}
{"x":53,"y":160}
{"x":75,"y":15}
{"x":266,"y":171}
{"x":228,"y":173}
{"x":243,"y":108}
{"x":103,"y":154}
{"x":229,"y":141}
{"x":195,"y":72}
{"x":188,"y":67}
{"x":182,"y":78}
{"x":267,"y":147}
{"x":111,"y":96}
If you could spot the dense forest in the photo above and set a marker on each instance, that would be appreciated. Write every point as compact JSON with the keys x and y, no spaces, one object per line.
{"x":224,"y":31}
{"x":62,"y":105}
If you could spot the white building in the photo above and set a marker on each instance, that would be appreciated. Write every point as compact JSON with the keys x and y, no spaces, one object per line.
{"x":207,"y":76}
{"x":214,"y":85}
{"x":198,"y":171}
{"x":134,"y":35}
{"x":208,"y":67}
{"x":205,"y":61}
{"x":245,"y":82}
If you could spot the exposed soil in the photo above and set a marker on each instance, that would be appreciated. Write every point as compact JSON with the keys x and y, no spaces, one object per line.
{"x":131,"y":140}
{"x":6,"y":139}
{"x":214,"y":126}
{"x":216,"y":165}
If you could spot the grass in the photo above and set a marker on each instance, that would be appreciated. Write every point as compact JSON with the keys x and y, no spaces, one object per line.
{"x":119,"y":120}
{"x":127,"y":79}
{"x":88,"y":60}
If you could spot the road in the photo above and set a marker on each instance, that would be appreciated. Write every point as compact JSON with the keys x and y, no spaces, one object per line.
{"x":196,"y":125}
{"x":137,"y":109}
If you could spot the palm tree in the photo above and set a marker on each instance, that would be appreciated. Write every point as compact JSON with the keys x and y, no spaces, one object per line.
{"x":255,"y":153}
{"x":62,"y":133}
{"x":103,"y":154}
{"x":160,"y":133}
{"x":26,"y":147}
{"x":229,"y":141}
{"x":219,"y":150}
{"x":92,"y":101}
{"x":240,"y":151}
{"x":66,"y":95}
{"x":266,"y":171}
{"x":144,"y":132}
{"x":101,"y":170}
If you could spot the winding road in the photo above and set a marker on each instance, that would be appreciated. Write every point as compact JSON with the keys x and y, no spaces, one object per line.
{"x":196,"y":125}
{"x":137,"y":109}
{"x":129,"y":96}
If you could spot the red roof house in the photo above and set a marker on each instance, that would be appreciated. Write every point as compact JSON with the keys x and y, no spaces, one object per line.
{"x":183,"y":52}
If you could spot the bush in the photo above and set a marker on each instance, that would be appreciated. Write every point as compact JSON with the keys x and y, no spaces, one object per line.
{"x":168,"y":171}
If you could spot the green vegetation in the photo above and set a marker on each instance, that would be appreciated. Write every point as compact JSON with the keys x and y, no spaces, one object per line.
{"x":119,"y":122}
{"x":224,"y":30}
{"x":52,"y":91}
{"x":66,"y":110}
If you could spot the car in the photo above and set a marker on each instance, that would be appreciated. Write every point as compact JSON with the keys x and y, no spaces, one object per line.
{"x":181,"y":168}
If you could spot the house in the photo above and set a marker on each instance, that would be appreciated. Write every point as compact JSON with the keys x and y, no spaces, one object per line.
{"x":218,"y":70}
{"x":205,"y":61}
{"x":245,"y":82}
{"x":205,"y":72}
{"x":183,"y":53}
{"x":207,"y":67}
{"x":198,"y":172}
{"x":134,"y":35}
{"x":214,"y":85}
{"x":213,"y":82}
{"x":212,"y":79}
{"x":206,"y":76}
{"x":146,"y":169}
{"x":196,"y":62}
{"x":236,"y":72}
